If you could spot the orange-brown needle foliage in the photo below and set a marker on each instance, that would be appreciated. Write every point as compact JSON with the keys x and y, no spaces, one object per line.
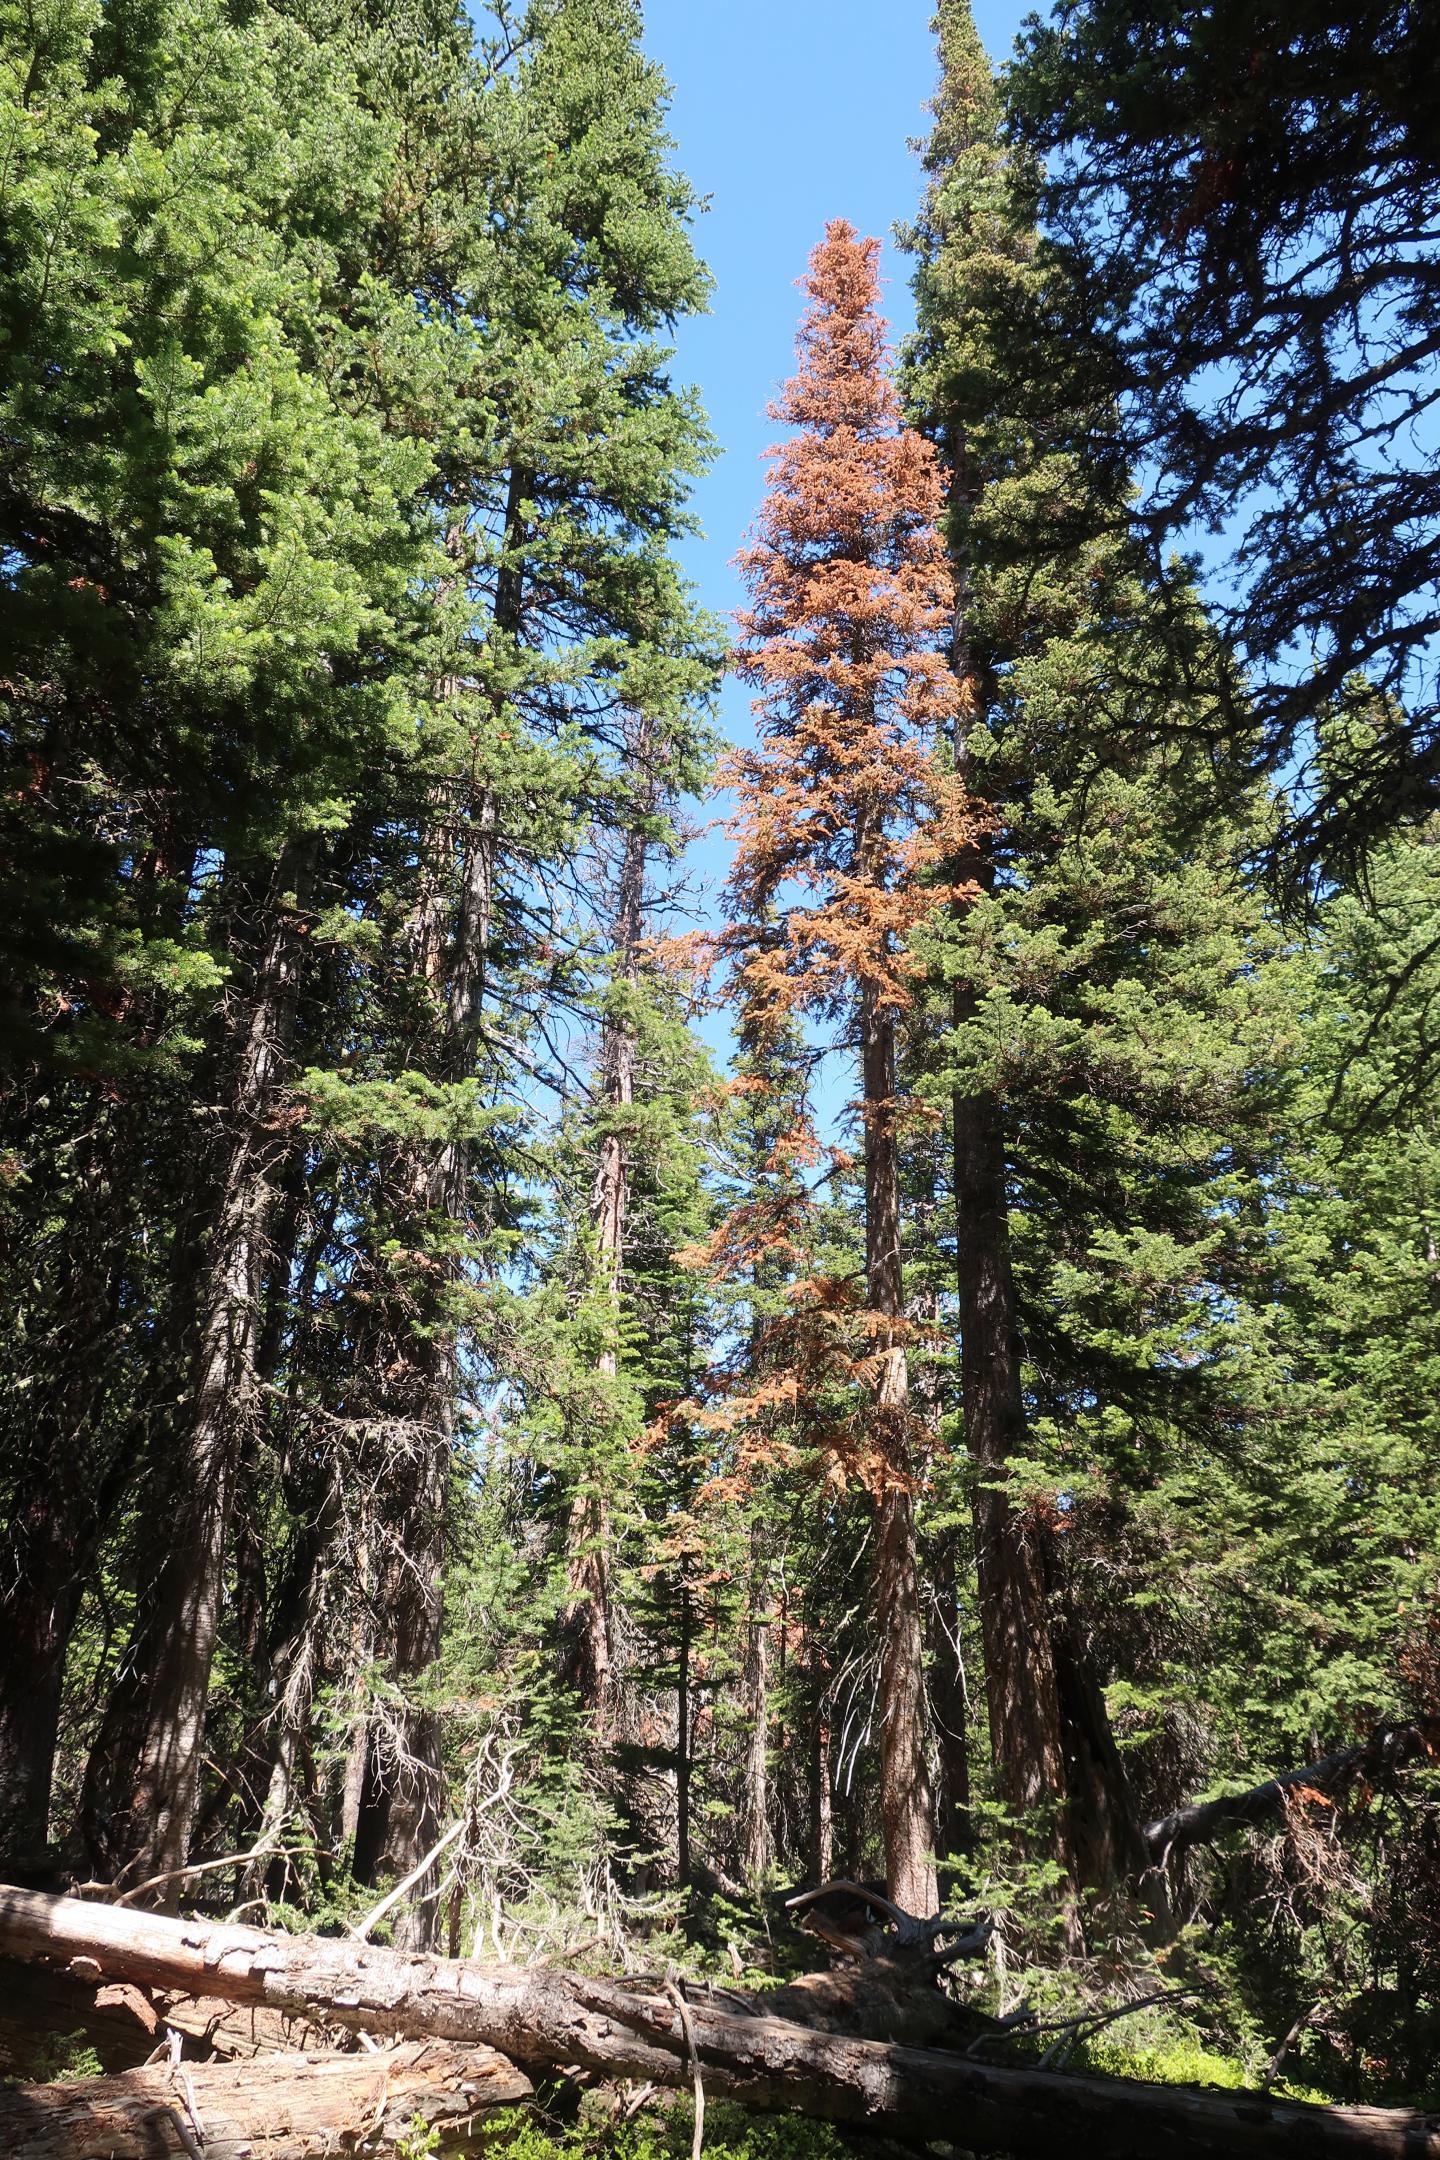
{"x":843,"y":815}
{"x":845,"y":819}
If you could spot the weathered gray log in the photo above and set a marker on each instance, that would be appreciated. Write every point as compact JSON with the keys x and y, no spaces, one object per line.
{"x":549,"y":2019}
{"x":1388,"y":1749}
{"x":281,"y":2107}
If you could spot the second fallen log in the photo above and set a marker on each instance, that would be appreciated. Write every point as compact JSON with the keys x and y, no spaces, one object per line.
{"x":280,"y":2107}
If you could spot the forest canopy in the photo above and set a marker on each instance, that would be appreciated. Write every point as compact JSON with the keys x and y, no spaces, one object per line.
{"x":556,"y":1404}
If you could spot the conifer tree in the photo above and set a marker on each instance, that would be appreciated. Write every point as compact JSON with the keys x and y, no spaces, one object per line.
{"x":1110,"y":885}
{"x":842,"y":813}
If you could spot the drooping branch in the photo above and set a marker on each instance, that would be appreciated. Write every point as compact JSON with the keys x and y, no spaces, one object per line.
{"x":1389,"y":1748}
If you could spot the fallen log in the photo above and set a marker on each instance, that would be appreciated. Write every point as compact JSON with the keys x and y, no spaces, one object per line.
{"x":558,"y":2020}
{"x":120,"y":2024}
{"x":1388,"y":1749}
{"x":286,"y":2107}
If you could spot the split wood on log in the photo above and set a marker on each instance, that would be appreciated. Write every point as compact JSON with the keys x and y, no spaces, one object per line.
{"x":555,"y":2020}
{"x":120,"y":2023}
{"x":283,"y":2107}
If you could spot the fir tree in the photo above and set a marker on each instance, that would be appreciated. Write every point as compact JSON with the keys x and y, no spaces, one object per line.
{"x":1110,"y":1027}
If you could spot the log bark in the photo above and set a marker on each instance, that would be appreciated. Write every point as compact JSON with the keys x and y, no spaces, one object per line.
{"x":547,"y":2019}
{"x":1389,"y":1748}
{"x":288,"y":2107}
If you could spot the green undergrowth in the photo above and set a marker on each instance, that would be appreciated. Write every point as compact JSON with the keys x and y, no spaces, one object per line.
{"x":663,"y":2132}
{"x":55,"y":2057}
{"x":1182,"y":2061}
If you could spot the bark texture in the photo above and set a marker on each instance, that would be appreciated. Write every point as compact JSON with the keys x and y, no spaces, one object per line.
{"x":58,"y":1497}
{"x":416,"y":1382}
{"x":588,"y":1629}
{"x":552,"y":2019}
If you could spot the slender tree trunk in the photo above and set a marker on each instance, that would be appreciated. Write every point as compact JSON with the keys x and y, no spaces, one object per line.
{"x":398,"y":1809}
{"x":757,"y":1706}
{"x":949,"y":1700}
{"x":822,"y":1838}
{"x":906,"y":1804}
{"x":357,"y":1753}
{"x":399,"y":1814}
{"x":175,"y":1641}
{"x":682,"y":1735}
{"x":588,"y":1617}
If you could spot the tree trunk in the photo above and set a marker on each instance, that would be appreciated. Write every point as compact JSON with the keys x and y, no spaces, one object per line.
{"x":756,"y":1856}
{"x":398,"y":1817}
{"x":587,"y":1618}
{"x":1028,"y":1720}
{"x":175,"y":1643}
{"x":38,"y":1615}
{"x":1020,"y":1685}
{"x":822,"y":1805}
{"x":906,"y":1804}
{"x":399,"y":1808}
{"x":949,"y":1701}
{"x":62,"y":1483}
{"x":285,"y":2107}
{"x":1104,"y":1826}
{"x":548,"y":2019}
{"x":682,"y":1735}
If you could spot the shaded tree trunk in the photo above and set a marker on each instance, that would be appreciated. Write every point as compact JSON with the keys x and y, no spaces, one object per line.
{"x":399,"y":1807}
{"x":588,"y":1616}
{"x":158,"y":1733}
{"x":1021,"y":1691}
{"x":1029,"y":1721}
{"x":949,"y":1701}
{"x":60,"y":1492}
{"x":682,"y":1734}
{"x":756,"y":1857}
